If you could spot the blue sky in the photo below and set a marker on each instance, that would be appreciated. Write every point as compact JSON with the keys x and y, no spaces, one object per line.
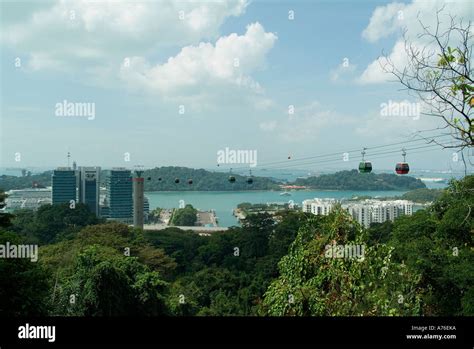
{"x":139,"y":63}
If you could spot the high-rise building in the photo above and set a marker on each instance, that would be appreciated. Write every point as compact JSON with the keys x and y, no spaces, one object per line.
{"x":138,"y":199}
{"x":63,"y":183}
{"x":119,"y":198}
{"x":89,"y":187}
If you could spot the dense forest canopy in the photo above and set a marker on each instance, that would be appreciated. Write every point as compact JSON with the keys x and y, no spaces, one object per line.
{"x":418,"y":265}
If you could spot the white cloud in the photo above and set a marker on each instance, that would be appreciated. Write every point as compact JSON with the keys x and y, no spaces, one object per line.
{"x":203,"y":68}
{"x":385,"y":21}
{"x":96,"y":37}
{"x":397,"y":18}
{"x":376,"y":72}
{"x":83,"y":32}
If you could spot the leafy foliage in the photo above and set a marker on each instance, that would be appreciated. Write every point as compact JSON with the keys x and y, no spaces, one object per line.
{"x":313,"y":284}
{"x":105,"y":283}
{"x":52,"y":222}
{"x":23,"y":283}
{"x":439,"y":245}
{"x":272,"y":265}
{"x":5,"y":218}
{"x":186,"y":216}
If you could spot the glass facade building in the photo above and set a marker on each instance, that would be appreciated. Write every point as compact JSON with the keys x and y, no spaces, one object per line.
{"x":63,"y":183}
{"x":119,"y":196}
{"x":89,"y":189}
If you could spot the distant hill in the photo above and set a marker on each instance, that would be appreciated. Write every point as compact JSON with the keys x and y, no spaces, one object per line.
{"x":423,"y":195}
{"x":14,"y":182}
{"x":203,"y":180}
{"x":353,"y":180}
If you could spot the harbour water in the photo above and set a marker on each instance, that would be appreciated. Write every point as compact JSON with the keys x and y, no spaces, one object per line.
{"x":223,"y":202}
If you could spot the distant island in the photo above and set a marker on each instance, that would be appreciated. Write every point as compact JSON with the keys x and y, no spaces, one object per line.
{"x":165,"y":179}
{"x":41,"y":180}
{"x":353,"y":180}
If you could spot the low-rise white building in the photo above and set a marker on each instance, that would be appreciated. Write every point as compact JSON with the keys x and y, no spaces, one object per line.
{"x":318,"y":206}
{"x":378,"y":211}
{"x":29,"y":198}
{"x":365,"y":212}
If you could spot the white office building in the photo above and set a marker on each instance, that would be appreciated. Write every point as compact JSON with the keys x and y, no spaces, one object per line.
{"x":29,"y":198}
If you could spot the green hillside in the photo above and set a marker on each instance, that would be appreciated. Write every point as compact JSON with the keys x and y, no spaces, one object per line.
{"x":353,"y":180}
{"x":203,"y":180}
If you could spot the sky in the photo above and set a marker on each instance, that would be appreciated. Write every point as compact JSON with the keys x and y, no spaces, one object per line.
{"x":172,"y":83}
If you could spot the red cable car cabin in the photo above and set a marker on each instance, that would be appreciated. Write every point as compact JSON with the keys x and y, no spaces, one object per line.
{"x":402,"y":168}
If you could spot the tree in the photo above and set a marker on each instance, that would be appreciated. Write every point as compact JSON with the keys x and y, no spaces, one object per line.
{"x":313,"y":283}
{"x":23,"y":284}
{"x":154,"y":216}
{"x":106,"y":283}
{"x":423,"y":195}
{"x":52,"y":223}
{"x":157,"y":260}
{"x":440,"y":74}
{"x":5,"y":218}
{"x":379,"y":232}
{"x":186,"y":216}
{"x":438,"y":244}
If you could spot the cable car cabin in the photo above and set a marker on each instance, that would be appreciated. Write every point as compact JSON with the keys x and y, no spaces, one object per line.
{"x":249,"y":180}
{"x":231,"y":179}
{"x":365,"y":167}
{"x":402,"y":168}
